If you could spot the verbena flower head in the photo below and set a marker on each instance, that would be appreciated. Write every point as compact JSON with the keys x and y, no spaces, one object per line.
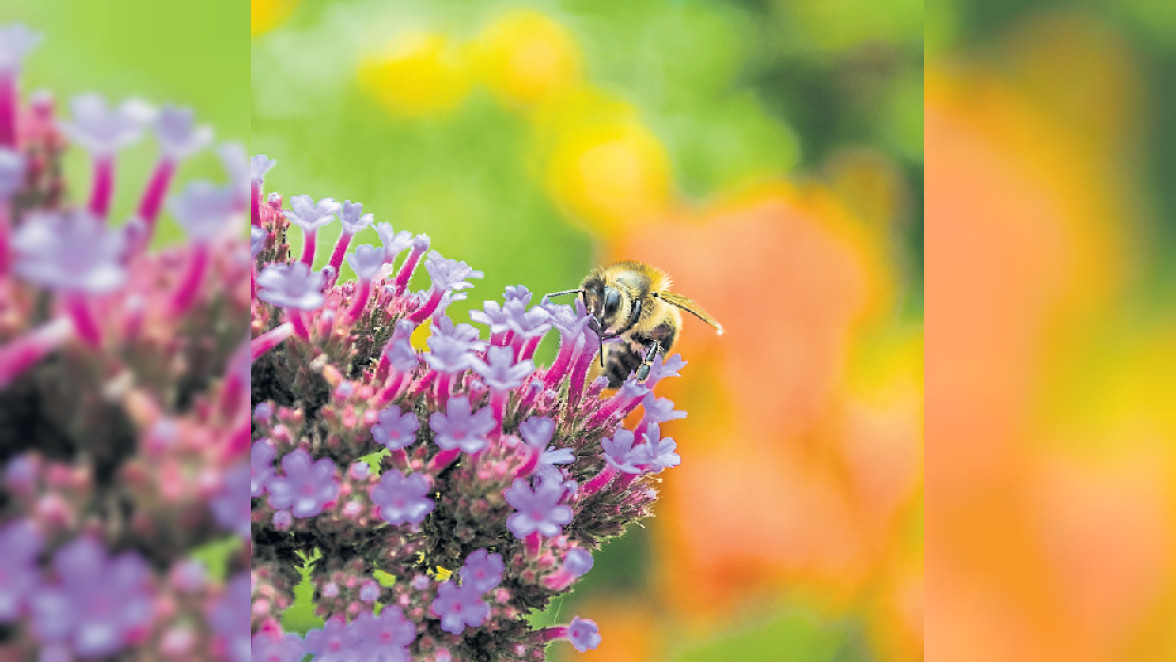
{"x":203,"y":208}
{"x":103,"y":129}
{"x":71,"y":252}
{"x":497,"y":473}
{"x":304,"y":487}
{"x":95,"y":605}
{"x":291,"y":286}
{"x":310,"y":215}
{"x":352,"y":218}
{"x":123,"y":383}
{"x":402,"y":499}
{"x":178,"y":134}
{"x":16,"y":40}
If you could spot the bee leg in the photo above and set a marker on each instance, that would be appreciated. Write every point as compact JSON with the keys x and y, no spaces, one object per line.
{"x":647,"y":361}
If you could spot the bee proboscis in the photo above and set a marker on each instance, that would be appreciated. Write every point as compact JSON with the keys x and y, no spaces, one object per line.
{"x":632,"y":301}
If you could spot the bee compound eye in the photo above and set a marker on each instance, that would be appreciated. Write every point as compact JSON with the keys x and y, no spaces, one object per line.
{"x":612,"y":301}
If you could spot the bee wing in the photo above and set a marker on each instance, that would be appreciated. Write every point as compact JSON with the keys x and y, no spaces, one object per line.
{"x":687,"y":304}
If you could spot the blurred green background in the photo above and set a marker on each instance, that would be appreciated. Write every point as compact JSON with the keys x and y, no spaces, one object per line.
{"x":187,"y":54}
{"x":768,"y":153}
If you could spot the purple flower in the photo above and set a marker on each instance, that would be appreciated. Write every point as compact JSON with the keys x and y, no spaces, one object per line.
{"x":20,"y":475}
{"x":291,"y":286}
{"x":402,"y":499}
{"x":528,"y":323}
{"x":261,"y":466}
{"x":16,"y":40}
{"x":236,"y":164}
{"x":229,"y":505}
{"x":618,"y":451}
{"x":331,"y":642}
{"x":352,"y":217}
{"x":448,"y":355}
{"x":399,"y":350}
{"x":257,"y":238}
{"x":19,"y":576}
{"x":394,"y":242}
{"x":449,"y":274}
{"x":578,"y":561}
{"x":266,"y":647}
{"x":465,"y":333}
{"x":458,"y":607}
{"x":369,"y":591}
{"x":282,"y":520}
{"x":395,"y":430}
{"x":12,"y":172}
{"x":537,"y":431}
{"x":385,"y":637}
{"x":202,"y":209}
{"x":557,"y":456}
{"x":570,"y":321}
{"x":662,"y":369}
{"x":536,"y":509}
{"x":494,"y":316}
{"x":660,"y":410}
{"x":229,"y":617}
{"x":584,"y":634}
{"x":309,"y":215}
{"x":305,"y":488}
{"x":98,"y":604}
{"x":178,"y":138}
{"x":103,"y":130}
{"x":359,"y":470}
{"x":501,"y":373}
{"x":258,"y":166}
{"x":656,"y":453}
{"x":69,"y":252}
{"x":482,"y":571}
{"x":517,"y":293}
{"x":459,"y":428}
{"x":366,"y":261}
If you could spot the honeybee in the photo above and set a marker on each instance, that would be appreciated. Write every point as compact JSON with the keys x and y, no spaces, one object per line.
{"x":632,"y":301}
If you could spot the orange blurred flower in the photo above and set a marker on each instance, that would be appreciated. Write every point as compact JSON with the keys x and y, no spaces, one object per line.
{"x":803,"y":445}
{"x":1051,"y":493}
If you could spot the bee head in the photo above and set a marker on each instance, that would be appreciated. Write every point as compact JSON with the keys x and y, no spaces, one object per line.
{"x":607,"y":306}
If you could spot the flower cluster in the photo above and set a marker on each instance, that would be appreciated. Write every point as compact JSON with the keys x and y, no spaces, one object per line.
{"x":446,"y":483}
{"x":123,"y":375}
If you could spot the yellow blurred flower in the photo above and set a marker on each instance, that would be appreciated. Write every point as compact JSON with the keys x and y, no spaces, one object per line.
{"x":264,"y":15}
{"x":609,"y":175}
{"x":525,"y":57}
{"x":417,"y":74}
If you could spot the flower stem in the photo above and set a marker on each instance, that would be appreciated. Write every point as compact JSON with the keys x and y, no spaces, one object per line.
{"x":270,"y":339}
{"x":103,"y":190}
{"x":9,"y":101}
{"x":152,"y":200}
{"x":255,"y":203}
{"x":294,"y":316}
{"x":421,"y":314}
{"x":190,"y":284}
{"x":308,"y":248}
{"x":361,"y":299}
{"x":443,"y":459}
{"x":87,"y":327}
{"x":21,"y":354}
{"x":340,"y":250}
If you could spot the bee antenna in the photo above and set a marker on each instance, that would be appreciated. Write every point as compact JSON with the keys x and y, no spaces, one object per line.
{"x":560,"y":294}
